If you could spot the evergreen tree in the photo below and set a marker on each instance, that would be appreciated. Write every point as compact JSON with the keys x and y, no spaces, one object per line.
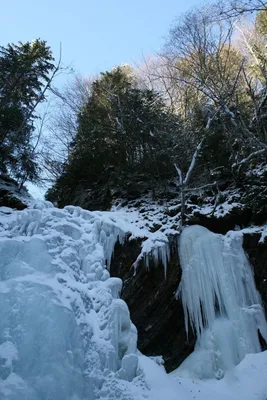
{"x":24,"y":78}
{"x":123,"y":143}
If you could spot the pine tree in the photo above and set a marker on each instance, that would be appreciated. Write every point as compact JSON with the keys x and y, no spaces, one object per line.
{"x":24,"y":76}
{"x":122,"y":144}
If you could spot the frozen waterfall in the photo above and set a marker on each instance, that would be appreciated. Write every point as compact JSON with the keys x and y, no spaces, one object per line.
{"x":64,"y":332}
{"x":220,"y":302}
{"x":66,"y":335}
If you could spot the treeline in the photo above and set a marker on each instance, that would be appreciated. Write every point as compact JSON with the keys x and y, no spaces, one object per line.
{"x":195,"y":111}
{"x":198,"y":109}
{"x":123,"y":145}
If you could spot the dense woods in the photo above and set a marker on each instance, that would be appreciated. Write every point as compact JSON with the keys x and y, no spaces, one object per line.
{"x":193,"y":116}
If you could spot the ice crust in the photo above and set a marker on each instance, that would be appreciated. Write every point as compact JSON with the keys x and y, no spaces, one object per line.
{"x":220,"y":302}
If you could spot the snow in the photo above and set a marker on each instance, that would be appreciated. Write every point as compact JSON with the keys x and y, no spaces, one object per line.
{"x":261,"y":230}
{"x":232,"y":202}
{"x":259,"y":171}
{"x":247,"y":382}
{"x":220,"y":302}
{"x":64,"y":331}
{"x":163,"y":216}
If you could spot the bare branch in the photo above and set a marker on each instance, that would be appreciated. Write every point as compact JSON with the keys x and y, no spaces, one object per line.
{"x":250,"y":157}
{"x":201,"y":187}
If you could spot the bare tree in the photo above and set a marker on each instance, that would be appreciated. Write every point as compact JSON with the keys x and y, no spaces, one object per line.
{"x":238,"y":8}
{"x":61,"y":126}
{"x":201,"y":58}
{"x":185,"y":179}
{"x":202,"y":61}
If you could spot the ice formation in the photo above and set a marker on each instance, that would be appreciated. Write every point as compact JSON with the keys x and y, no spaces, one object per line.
{"x":220,"y":302}
{"x":64,"y":331}
{"x":155,"y":248}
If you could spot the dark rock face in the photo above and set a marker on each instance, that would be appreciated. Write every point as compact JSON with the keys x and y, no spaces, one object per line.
{"x":11,"y":201}
{"x":10,"y":195}
{"x":257,"y":254}
{"x":158,"y":316}
{"x":154,"y":310}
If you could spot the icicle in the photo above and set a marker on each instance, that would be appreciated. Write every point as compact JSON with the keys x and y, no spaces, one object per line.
{"x":108,"y":235}
{"x":219,"y":296}
{"x":156,"y":249}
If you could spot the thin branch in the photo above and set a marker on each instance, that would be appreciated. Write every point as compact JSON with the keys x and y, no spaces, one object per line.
{"x":200,"y":187}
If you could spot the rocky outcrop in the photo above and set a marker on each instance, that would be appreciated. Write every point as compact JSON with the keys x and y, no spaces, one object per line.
{"x":158,"y":316}
{"x":11,"y":196}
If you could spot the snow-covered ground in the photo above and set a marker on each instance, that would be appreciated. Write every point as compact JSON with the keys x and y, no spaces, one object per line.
{"x":64,"y":331}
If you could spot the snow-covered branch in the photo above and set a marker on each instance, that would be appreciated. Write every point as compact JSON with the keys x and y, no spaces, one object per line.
{"x":193,"y":162}
{"x":201,"y":187}
{"x":250,"y":157}
{"x":184,"y":182}
{"x":179,"y":172}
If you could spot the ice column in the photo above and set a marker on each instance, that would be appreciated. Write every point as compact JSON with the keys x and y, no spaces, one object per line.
{"x":220,"y":301}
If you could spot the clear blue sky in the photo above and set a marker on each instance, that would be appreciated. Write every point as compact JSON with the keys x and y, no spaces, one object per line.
{"x":95,"y":34}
